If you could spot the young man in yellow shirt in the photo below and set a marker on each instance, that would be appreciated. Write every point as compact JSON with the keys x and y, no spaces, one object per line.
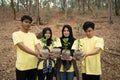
{"x":26,"y":45}
{"x":92,"y":47}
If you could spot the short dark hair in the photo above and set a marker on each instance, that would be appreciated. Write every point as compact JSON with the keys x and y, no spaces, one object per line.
{"x":24,"y":17}
{"x":87,"y":25}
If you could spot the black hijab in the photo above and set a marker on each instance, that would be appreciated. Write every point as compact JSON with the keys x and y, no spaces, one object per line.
{"x":71,"y":39}
{"x":49,"y":41}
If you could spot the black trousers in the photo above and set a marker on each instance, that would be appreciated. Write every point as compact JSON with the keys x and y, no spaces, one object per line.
{"x":26,"y":75}
{"x":90,"y":77}
{"x":41,"y":76}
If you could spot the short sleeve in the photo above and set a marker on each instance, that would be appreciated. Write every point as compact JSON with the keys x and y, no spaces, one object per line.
{"x":100,"y":43}
{"x":41,"y":43}
{"x":74,"y":45}
{"x":77,"y":44}
{"x":36,"y":40}
{"x":57,"y":43}
{"x":16,"y":38}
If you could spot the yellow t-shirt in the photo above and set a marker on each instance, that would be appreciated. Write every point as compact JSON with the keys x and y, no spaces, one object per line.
{"x":92,"y":64}
{"x":58,"y":44}
{"x":75,"y":45}
{"x":24,"y":60}
{"x":40,"y":65}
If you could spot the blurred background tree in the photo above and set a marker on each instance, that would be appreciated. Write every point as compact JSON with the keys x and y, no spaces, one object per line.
{"x":65,"y":7}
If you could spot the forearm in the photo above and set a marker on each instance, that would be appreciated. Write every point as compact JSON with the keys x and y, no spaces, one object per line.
{"x":94,"y":52}
{"x":26,"y":49}
{"x":38,"y":47}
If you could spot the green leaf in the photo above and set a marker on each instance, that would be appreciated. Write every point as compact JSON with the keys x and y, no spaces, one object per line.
{"x":65,"y":40}
{"x":44,"y":40}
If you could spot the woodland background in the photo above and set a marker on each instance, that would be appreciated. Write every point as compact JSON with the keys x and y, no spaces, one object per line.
{"x":55,"y":13}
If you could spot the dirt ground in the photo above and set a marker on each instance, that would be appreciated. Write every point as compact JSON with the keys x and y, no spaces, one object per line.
{"x":110,"y":33}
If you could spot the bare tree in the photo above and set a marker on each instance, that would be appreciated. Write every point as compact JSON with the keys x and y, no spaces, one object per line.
{"x":29,"y":6}
{"x":117,"y":7}
{"x":89,"y":3}
{"x":110,"y":12}
{"x":78,"y":6}
{"x":83,"y":5}
{"x":64,"y":7}
{"x":24,"y":3}
{"x":17,"y":7}
{"x":13,"y":8}
{"x":38,"y":22}
{"x":98,"y":3}
{"x":2,"y":1}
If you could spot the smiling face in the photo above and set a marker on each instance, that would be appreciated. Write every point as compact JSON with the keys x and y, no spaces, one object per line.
{"x":66,"y":32}
{"x":47,"y":34}
{"x":89,"y":32}
{"x":26,"y":24}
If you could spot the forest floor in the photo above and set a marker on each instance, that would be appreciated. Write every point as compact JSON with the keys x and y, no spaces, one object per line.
{"x":110,"y":33}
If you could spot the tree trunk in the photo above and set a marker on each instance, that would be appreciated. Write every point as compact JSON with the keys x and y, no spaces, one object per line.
{"x":89,"y":8}
{"x":29,"y":7}
{"x":79,"y":6}
{"x":2,"y":4}
{"x":64,"y":8}
{"x":63,"y":4}
{"x":37,"y":13}
{"x":18,"y":5}
{"x":98,"y":2}
{"x":110,"y":12}
{"x":12,"y":6}
{"x":83,"y":4}
{"x":116,"y":8}
{"x":119,"y":6}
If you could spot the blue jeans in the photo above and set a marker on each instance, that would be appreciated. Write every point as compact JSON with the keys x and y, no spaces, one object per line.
{"x":66,"y":75}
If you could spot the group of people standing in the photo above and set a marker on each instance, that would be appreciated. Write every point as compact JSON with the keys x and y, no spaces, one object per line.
{"x":30,"y":65}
